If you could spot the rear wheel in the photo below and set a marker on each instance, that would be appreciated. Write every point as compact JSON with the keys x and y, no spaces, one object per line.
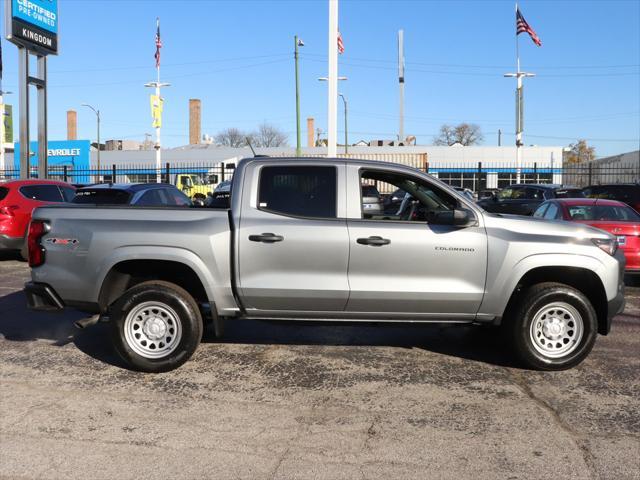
{"x":554,"y":327}
{"x":156,"y":326}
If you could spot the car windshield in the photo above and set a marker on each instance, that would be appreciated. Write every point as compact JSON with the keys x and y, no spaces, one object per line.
{"x":102,"y":196}
{"x":603,"y":213}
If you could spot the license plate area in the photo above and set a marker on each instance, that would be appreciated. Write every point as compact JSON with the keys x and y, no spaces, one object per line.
{"x":622,"y":240}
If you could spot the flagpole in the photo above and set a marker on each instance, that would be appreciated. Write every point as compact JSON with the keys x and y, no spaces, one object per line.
{"x":332,"y":110}
{"x":518,"y":110}
{"x":158,"y":121}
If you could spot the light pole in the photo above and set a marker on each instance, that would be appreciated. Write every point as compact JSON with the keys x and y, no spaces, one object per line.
{"x":158,"y":146}
{"x":346,"y":130}
{"x":3,"y":165}
{"x":298,"y":43}
{"x":97,"y":112}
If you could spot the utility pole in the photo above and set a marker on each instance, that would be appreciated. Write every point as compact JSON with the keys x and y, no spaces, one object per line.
{"x":499,"y":137}
{"x":346,"y":128}
{"x":297,"y":43}
{"x":401,"y":136}
{"x":332,"y":97}
{"x":97,"y":112}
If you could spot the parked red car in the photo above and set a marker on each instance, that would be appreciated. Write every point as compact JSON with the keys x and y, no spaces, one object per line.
{"x":615,"y":217}
{"x":18,"y":199}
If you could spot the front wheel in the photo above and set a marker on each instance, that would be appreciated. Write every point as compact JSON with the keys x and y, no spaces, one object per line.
{"x":156,"y":326}
{"x":554,"y":327}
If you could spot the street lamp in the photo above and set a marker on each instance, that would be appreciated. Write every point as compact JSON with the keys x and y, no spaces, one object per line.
{"x":97,"y":112}
{"x":326,"y":79}
{"x":346,"y":131}
{"x":298,"y":43}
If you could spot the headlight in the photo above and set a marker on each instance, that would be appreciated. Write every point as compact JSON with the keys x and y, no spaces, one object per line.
{"x":609,"y":245}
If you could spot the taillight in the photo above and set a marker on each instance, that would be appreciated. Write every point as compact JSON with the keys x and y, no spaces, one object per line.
{"x":8,"y":211}
{"x":37,"y":229}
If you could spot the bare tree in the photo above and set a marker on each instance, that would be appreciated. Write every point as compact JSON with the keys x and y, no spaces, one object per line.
{"x":581,"y":152}
{"x":269,"y":135}
{"x":465,"y":134}
{"x":231,"y":137}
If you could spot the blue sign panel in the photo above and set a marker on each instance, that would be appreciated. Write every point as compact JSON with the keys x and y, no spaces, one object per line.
{"x":42,"y":14}
{"x":73,"y":154}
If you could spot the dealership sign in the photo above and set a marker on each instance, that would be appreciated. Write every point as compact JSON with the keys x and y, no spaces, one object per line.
{"x":74,"y":154}
{"x":33,"y":24}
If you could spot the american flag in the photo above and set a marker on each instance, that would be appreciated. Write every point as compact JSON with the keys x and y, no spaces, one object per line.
{"x":340,"y":44}
{"x":158,"y":45}
{"x":522,"y":26}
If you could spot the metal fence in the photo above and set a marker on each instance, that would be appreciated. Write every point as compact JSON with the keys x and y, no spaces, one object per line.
{"x":475,"y":177}
{"x":582,"y":175}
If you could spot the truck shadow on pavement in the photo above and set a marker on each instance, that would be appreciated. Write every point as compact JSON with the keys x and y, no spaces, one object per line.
{"x":19,"y":324}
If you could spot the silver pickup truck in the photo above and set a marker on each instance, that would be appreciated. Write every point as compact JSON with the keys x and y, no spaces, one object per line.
{"x":297,"y":244}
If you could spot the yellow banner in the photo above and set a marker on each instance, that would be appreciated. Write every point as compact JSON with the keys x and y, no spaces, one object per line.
{"x":157,"y":105}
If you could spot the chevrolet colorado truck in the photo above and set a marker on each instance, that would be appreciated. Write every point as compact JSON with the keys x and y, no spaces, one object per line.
{"x":297,"y":244}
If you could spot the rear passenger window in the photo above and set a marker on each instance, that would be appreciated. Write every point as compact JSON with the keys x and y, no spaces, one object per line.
{"x":552,"y":212}
{"x":304,"y":191}
{"x":3,"y":193}
{"x":42,"y":193}
{"x":68,"y":193}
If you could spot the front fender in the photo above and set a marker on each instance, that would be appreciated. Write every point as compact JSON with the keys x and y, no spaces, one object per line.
{"x":500,"y":288}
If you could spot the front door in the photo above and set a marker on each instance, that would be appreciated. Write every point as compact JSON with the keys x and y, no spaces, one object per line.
{"x":402,"y":263}
{"x":293,"y":249}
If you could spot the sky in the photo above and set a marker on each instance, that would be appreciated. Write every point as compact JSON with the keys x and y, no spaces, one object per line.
{"x":237,"y":57}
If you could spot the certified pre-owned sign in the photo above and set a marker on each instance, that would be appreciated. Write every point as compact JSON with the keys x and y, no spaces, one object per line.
{"x":33,"y":24}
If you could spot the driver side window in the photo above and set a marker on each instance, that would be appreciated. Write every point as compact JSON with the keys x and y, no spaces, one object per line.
{"x":419,"y":202}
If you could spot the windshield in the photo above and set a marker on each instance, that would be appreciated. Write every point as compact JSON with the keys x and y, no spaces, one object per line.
{"x":603,"y":213}
{"x":102,"y":196}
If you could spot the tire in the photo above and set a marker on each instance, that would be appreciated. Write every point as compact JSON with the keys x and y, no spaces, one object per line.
{"x":553,"y":327}
{"x":156,"y":326}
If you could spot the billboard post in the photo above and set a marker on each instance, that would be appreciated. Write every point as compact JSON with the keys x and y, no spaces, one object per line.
{"x":33,"y":26}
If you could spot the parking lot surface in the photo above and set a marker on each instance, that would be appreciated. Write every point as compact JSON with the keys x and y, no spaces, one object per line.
{"x":287,"y":401}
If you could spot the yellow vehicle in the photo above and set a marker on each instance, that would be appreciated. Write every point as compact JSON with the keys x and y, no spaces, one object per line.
{"x":195,"y":186}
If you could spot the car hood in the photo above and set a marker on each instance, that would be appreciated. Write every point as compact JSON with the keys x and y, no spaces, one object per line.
{"x":540,"y":226}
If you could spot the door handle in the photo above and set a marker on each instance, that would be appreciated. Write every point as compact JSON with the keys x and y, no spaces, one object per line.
{"x":266,"y":238}
{"x":374,"y":241}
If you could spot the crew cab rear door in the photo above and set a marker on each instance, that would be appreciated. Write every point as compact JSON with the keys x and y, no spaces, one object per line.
{"x":293,"y":244}
{"x":401,"y":264}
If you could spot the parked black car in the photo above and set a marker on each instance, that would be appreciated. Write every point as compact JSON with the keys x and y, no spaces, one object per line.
{"x":137,"y":194}
{"x":524,"y":199}
{"x":628,"y":193}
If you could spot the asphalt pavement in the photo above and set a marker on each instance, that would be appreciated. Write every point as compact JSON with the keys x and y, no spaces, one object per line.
{"x":291,"y":401}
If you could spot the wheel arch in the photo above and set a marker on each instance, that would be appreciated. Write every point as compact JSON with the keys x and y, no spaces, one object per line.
{"x":132,"y":265}
{"x":582,"y":279}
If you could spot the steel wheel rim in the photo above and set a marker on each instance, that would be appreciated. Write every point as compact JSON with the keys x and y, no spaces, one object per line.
{"x":556,"y":330}
{"x":153,"y":330}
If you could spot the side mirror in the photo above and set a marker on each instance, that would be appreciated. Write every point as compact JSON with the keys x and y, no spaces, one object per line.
{"x":459,"y":217}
